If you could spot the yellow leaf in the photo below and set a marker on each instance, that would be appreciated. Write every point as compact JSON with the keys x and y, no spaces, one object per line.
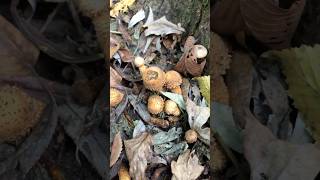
{"x":204,"y":85}
{"x":121,"y":6}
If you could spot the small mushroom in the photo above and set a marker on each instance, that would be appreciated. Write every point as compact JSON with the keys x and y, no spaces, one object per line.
{"x":155,"y":104}
{"x":123,"y":173}
{"x":191,"y":136}
{"x":171,"y":108}
{"x":116,"y":97}
{"x":173,"y":81}
{"x":160,"y":122}
{"x":153,"y":78}
{"x":200,"y":51}
{"x":139,"y":63}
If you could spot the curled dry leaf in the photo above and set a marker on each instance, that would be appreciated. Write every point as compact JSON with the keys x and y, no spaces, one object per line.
{"x":16,"y":51}
{"x":187,"y":167}
{"x":192,"y":60}
{"x":116,"y":149}
{"x":139,"y":153}
{"x":264,"y":19}
{"x":204,"y":85}
{"x":162,"y":27}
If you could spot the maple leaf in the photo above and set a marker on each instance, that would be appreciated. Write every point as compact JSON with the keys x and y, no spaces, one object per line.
{"x":139,"y":153}
{"x":187,"y":167}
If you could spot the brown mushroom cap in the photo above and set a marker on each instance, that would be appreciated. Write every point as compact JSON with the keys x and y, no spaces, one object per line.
{"x":171,"y":108}
{"x":173,"y":79}
{"x":153,"y":78}
{"x":191,"y":136}
{"x":155,"y":104}
{"x":20,"y":113}
{"x":116,"y":97}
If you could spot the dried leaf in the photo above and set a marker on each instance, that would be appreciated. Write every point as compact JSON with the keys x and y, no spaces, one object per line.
{"x":139,"y":129}
{"x":115,"y":78}
{"x":114,"y":46}
{"x":126,"y":55}
{"x":197,"y":117}
{"x":204,"y":85}
{"x":116,"y":149}
{"x":150,"y":17}
{"x":139,"y":153}
{"x":186,"y":167}
{"x":121,"y":7}
{"x":16,"y":51}
{"x":301,"y":68}
{"x":139,"y":16}
{"x":162,"y":27}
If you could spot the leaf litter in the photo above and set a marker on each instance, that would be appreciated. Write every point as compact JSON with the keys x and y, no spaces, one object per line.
{"x":154,"y":130}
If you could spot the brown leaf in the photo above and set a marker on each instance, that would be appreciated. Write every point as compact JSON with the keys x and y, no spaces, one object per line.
{"x":188,"y":62}
{"x":16,"y":51}
{"x":114,"y":46}
{"x":126,"y":55}
{"x":186,"y":167}
{"x":139,"y":153}
{"x":116,"y":149}
{"x":115,"y":78}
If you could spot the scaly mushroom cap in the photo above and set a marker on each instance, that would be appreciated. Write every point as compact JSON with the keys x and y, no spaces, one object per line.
{"x":116,"y":97}
{"x":19,"y":113}
{"x":171,"y":108}
{"x":155,"y":104}
{"x":153,"y":78}
{"x":173,"y":79}
{"x":191,"y":136}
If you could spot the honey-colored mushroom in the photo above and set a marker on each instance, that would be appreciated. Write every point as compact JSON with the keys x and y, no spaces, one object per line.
{"x":153,"y":78}
{"x":123,"y":173}
{"x":155,"y":104}
{"x":171,"y":108}
{"x":116,"y":97}
{"x":191,"y":136}
{"x":139,"y":63}
{"x":173,"y":81}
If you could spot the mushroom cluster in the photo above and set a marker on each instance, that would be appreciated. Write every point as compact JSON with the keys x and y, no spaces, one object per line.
{"x":156,"y":80}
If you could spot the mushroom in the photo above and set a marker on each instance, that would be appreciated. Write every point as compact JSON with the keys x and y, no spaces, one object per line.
{"x":173,"y":81}
{"x":116,"y":97}
{"x":155,"y":104}
{"x":139,"y":63}
{"x":153,"y":78}
{"x":200,"y":51}
{"x":123,"y":173}
{"x":191,"y":136}
{"x":171,"y":108}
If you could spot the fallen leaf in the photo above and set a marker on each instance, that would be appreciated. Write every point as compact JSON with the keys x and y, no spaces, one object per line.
{"x":300,"y":135}
{"x":301,"y":68}
{"x":187,"y":167}
{"x":17,"y":52}
{"x":126,"y":55}
{"x":162,"y":27}
{"x":150,"y":17}
{"x":139,"y":129}
{"x":197,"y":117}
{"x":116,"y":149}
{"x":139,"y":16}
{"x":121,"y":7}
{"x":115,"y":78}
{"x":204,"y":85}
{"x":139,"y":153}
{"x":224,"y":125}
{"x":114,"y":46}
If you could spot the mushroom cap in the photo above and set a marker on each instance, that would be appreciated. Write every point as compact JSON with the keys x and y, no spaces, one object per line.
{"x":116,"y":97}
{"x":176,"y":90}
{"x":19,"y":111}
{"x":153,"y":78}
{"x":138,"y":61}
{"x":155,"y":104}
{"x":191,"y":136}
{"x":200,"y":51}
{"x":171,"y":108}
{"x":173,"y":79}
